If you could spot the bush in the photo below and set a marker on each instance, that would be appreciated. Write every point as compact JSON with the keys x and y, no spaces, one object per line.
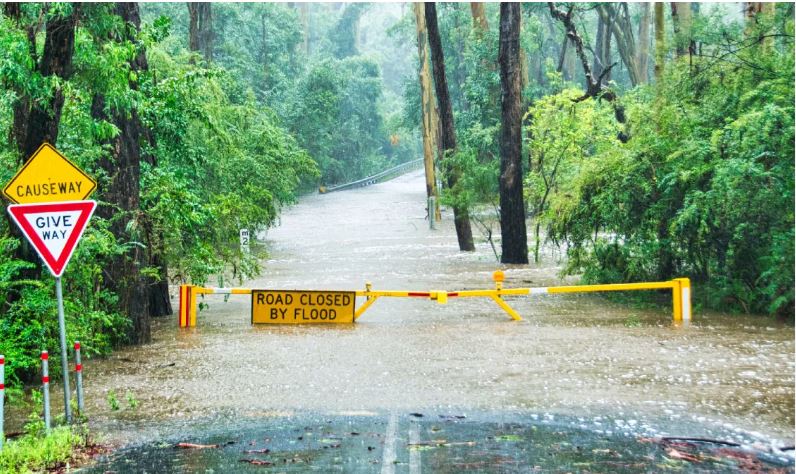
{"x":34,"y":453}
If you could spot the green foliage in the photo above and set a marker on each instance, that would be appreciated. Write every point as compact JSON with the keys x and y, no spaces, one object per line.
{"x":632,"y":321}
{"x":113,"y":400}
{"x":132,"y":402}
{"x":29,"y":324}
{"x":223,"y":163}
{"x":336,"y":118}
{"x":261,"y":48}
{"x":477,"y":182}
{"x":259,"y":44}
{"x":36,"y":452}
{"x":703,"y":189}
{"x":566,"y":139}
{"x":344,"y":34}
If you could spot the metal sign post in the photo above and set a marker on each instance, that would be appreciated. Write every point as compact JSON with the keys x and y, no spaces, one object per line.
{"x":64,"y":362}
{"x":244,"y":240}
{"x":432,"y":212}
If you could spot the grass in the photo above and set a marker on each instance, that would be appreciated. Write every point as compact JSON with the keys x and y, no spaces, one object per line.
{"x":633,"y":321}
{"x":35,"y":453}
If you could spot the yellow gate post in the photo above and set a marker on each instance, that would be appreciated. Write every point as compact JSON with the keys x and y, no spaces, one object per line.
{"x":186,"y":317}
{"x":499,"y":277}
{"x":681,"y":300}
{"x":369,"y":300}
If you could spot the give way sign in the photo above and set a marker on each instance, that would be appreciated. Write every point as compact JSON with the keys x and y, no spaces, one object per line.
{"x":53,"y":228}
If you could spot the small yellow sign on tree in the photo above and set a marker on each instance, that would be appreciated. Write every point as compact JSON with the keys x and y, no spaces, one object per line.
{"x":49,"y":177}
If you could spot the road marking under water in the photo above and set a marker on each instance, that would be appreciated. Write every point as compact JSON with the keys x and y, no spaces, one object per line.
{"x":388,"y":458}
{"x":414,"y":454}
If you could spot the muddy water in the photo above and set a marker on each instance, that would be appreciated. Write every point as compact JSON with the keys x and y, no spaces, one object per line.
{"x":572,"y":355}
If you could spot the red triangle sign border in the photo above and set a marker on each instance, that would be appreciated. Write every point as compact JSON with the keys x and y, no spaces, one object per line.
{"x":55,"y":265}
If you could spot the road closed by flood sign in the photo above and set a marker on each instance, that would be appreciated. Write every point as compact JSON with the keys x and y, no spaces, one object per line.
{"x":302,"y":307}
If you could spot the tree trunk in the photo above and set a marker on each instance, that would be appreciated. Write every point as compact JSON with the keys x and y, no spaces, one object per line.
{"x":594,"y":86}
{"x":602,"y":49}
{"x":754,"y":12}
{"x":461,"y":218}
{"x":345,"y":33}
{"x":19,"y":129}
{"x":120,"y":206}
{"x":622,"y":29}
{"x":157,"y":287}
{"x":480,"y":23}
{"x":597,"y":63}
{"x":606,"y":51}
{"x":512,"y":209}
{"x":681,"y":20}
{"x":642,"y":52}
{"x":159,"y":302}
{"x":200,"y":30}
{"x":121,"y":197}
{"x":304,"y":14}
{"x":563,"y":54}
{"x":45,"y":117}
{"x":428,"y":109}
{"x":660,"y":41}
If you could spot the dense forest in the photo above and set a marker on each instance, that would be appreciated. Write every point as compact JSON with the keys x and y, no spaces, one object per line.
{"x":650,"y":141}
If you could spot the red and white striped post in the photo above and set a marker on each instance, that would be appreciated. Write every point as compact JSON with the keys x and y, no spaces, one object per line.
{"x":2,"y":397}
{"x":79,"y":377}
{"x":45,"y":388}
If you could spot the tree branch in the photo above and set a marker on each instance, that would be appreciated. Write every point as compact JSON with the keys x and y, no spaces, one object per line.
{"x":594,"y":88}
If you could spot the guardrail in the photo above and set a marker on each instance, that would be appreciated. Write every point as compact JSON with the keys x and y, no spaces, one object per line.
{"x":680,"y":287}
{"x":376,"y":178}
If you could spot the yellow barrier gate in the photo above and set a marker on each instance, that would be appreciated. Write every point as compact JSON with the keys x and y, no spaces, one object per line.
{"x":681,"y":297}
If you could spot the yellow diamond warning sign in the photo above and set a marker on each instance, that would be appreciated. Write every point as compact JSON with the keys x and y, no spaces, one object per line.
{"x":49,"y":177}
{"x":302,"y":307}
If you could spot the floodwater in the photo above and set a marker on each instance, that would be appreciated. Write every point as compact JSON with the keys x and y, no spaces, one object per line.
{"x":609,"y":368}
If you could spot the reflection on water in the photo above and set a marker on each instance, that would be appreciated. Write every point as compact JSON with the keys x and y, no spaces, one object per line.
{"x":437,"y":443}
{"x":579,"y":355}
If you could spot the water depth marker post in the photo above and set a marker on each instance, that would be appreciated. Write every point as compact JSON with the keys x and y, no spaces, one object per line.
{"x":2,"y":398}
{"x":49,"y":193}
{"x":79,"y":378}
{"x":45,"y":388}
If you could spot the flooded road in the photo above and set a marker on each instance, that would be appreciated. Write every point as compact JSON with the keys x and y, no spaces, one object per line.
{"x":606,"y":367}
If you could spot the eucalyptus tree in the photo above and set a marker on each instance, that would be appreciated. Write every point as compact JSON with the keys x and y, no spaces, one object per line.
{"x":461,"y":218}
{"x":512,"y":208}
{"x":200,"y":31}
{"x":428,"y":107}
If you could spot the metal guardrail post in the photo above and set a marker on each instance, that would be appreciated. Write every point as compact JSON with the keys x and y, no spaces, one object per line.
{"x":79,"y":378}
{"x":432,"y":213}
{"x":396,"y":170}
{"x":45,"y":388}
